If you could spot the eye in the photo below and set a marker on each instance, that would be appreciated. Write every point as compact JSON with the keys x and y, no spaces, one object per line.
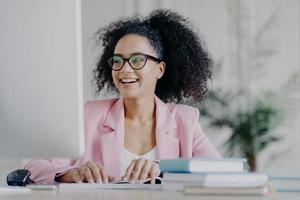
{"x":136,"y":59}
{"x":117,"y":60}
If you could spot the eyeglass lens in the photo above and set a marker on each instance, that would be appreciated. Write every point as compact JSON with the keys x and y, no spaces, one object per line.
{"x":135,"y":61}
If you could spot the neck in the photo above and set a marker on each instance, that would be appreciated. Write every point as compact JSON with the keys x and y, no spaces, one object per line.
{"x":141,"y":109}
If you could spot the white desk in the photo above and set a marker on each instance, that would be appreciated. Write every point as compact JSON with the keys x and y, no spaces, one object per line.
{"x":89,"y":194}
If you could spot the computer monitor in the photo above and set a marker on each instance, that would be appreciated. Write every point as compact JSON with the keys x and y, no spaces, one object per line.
{"x":41,"y":97}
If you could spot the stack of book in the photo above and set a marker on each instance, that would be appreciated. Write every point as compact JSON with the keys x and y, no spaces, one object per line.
{"x":213,"y":176}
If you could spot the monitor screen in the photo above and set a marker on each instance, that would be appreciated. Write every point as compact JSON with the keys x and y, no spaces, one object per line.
{"x":41,"y":97}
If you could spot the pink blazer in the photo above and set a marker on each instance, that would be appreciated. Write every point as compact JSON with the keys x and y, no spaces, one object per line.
{"x":178,"y":134}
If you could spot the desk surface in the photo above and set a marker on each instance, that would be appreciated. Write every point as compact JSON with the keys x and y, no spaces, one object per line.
{"x":89,"y":194}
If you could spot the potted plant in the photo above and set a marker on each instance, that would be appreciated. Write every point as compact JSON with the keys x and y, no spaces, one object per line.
{"x":251,"y":128}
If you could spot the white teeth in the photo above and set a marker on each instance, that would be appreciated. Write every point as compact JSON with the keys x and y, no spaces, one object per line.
{"x":128,"y":80}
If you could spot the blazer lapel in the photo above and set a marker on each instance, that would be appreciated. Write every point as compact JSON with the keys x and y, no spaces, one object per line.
{"x":113,"y":131}
{"x":166,"y":140}
{"x":112,"y":141}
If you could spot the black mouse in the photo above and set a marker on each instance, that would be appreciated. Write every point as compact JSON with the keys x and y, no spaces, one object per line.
{"x":20,"y":177}
{"x":158,"y":180}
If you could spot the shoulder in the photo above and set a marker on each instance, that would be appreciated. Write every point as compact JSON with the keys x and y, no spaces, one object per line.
{"x":183,"y":112}
{"x":98,"y":107}
{"x":103,"y":103}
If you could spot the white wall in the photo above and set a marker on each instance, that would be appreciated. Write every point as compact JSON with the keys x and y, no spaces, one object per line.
{"x":41,"y":36}
{"x":95,"y":14}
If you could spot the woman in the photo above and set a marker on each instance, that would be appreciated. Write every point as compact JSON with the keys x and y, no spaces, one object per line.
{"x":148,"y":61}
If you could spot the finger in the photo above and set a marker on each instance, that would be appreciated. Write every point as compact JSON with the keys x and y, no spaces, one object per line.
{"x":95,"y":171}
{"x":103,"y":174}
{"x":154,"y":171}
{"x":111,"y":178}
{"x":145,"y":170}
{"x":129,"y":170}
{"x":152,"y":174}
{"x":137,"y":169}
{"x":87,"y":173}
{"x":77,"y":176}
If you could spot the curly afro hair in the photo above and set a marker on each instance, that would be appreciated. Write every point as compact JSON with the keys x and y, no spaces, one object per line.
{"x":188,"y":64}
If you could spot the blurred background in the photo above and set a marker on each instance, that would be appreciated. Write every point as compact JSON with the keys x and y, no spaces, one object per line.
{"x":253,"y":106}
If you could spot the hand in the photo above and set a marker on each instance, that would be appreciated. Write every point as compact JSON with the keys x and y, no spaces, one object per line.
{"x":141,"y":169}
{"x":90,"y":172}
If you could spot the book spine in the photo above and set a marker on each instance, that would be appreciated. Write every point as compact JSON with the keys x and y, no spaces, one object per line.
{"x":178,"y":166}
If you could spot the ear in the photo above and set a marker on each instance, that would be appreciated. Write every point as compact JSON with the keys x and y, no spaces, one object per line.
{"x":161,"y":70}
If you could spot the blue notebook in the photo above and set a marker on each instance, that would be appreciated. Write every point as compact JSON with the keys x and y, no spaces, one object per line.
{"x":203,"y":165}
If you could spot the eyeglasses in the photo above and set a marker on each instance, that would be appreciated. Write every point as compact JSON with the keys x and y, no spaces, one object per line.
{"x":136,"y":61}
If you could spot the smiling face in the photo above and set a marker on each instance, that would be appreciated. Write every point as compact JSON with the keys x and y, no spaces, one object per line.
{"x":136,"y":83}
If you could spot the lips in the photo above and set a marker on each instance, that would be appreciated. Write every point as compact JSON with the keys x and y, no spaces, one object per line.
{"x":128,"y":80}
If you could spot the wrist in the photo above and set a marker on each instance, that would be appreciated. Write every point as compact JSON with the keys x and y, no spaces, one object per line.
{"x":65,"y":177}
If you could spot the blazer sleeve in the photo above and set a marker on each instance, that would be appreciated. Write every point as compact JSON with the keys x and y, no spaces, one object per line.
{"x":201,"y":145}
{"x":45,"y":171}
